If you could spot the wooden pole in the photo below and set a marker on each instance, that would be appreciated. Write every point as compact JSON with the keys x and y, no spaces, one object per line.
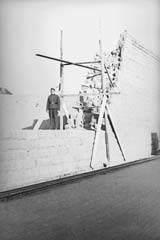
{"x":91,"y":62}
{"x":87,"y":94}
{"x":68,"y":62}
{"x":98,"y":130}
{"x":108,"y":75}
{"x":114,"y":132}
{"x":106,"y":138}
{"x":61,"y":81}
{"x":104,"y":89}
{"x":102,"y":112}
{"x":102,"y":66}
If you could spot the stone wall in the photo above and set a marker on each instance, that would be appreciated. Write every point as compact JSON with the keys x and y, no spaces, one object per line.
{"x":29,"y":157}
{"x":23,"y":111}
{"x":135,"y":111}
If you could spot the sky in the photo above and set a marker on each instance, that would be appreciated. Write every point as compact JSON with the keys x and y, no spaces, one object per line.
{"x":29,"y":27}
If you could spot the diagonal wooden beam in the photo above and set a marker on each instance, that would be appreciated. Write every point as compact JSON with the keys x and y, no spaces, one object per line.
{"x":65,"y":64}
{"x":114,"y":132}
{"x":108,"y":75}
{"x":68,"y":62}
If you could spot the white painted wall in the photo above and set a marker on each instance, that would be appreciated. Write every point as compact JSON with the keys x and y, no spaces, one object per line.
{"x":136,"y":110}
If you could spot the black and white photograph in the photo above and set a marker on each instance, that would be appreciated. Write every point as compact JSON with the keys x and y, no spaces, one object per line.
{"x":79,"y":120}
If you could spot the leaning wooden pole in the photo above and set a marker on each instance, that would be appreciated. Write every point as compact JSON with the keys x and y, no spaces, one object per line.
{"x":98,"y":131}
{"x":61,"y":81}
{"x":102,"y":112}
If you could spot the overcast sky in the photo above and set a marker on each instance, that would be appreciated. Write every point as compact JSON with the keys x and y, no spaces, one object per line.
{"x":30,"y":27}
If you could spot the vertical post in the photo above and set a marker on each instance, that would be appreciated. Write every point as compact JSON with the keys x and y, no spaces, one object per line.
{"x":61,"y":81}
{"x":102,"y":57}
{"x":102,"y":65}
{"x":103,"y":89}
{"x":106,"y":138}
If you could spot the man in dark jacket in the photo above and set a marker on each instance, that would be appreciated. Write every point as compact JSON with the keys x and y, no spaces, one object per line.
{"x":53,"y":107}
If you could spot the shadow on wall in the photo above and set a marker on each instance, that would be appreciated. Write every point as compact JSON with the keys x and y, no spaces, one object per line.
{"x":32,"y":126}
{"x":155,"y":144}
{"x":45,"y":124}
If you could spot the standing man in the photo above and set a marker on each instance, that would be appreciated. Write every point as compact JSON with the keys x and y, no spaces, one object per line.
{"x":53,"y":107}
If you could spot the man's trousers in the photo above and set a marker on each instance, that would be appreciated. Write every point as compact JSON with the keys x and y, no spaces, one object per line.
{"x":53,"y":115}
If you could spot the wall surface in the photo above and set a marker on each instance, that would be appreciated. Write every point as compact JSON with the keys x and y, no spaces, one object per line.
{"x":22,"y":111}
{"x":28,"y":157}
{"x":135,"y":111}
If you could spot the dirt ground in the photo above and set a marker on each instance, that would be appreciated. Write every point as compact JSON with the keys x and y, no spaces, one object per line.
{"x":120,"y":205}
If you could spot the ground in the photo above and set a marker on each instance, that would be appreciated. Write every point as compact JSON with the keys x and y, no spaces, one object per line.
{"x":120,"y":205}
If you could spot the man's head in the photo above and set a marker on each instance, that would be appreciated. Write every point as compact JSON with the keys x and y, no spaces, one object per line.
{"x":52,"y":91}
